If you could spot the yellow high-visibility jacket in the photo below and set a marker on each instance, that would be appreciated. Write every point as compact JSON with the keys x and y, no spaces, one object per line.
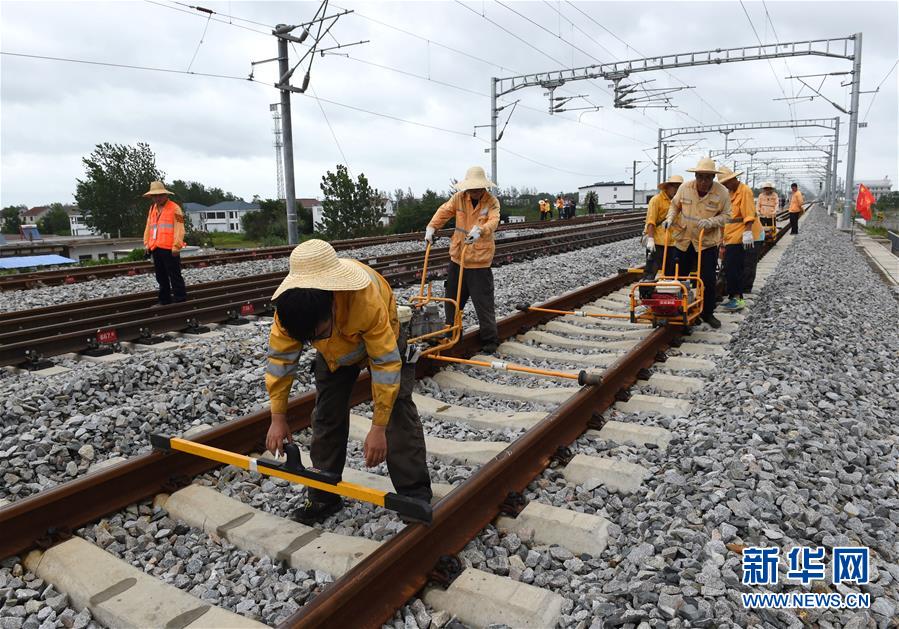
{"x":767,"y":204}
{"x":688,"y":208}
{"x":796,"y":202}
{"x":655,"y":214}
{"x":742,"y":211}
{"x":544,"y":206}
{"x":365,"y":330}
{"x":479,"y":254}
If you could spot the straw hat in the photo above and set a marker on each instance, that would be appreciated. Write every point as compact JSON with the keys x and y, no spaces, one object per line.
{"x":705,"y":165}
{"x":671,"y":179}
{"x":157,"y":188}
{"x":726,"y":174}
{"x":474,"y":178}
{"x":768,"y":184}
{"x":314,"y":264}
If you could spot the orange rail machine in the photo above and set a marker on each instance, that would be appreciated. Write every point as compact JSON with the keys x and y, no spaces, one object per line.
{"x":429,"y":330}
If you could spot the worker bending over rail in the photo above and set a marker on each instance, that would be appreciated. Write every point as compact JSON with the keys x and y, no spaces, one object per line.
{"x":796,"y":202}
{"x":164,"y":239}
{"x":654,"y":234}
{"x":347,"y":311}
{"x":476,"y":212}
{"x":701,"y":204}
{"x":739,"y":236}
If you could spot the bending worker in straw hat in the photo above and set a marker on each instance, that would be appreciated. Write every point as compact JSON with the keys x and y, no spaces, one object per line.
{"x":164,"y":239}
{"x":477,"y":216}
{"x":700,"y":204}
{"x":654,"y":234}
{"x":347,"y":312}
{"x":739,"y":238}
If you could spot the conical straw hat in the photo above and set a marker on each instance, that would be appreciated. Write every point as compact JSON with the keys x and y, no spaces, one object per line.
{"x":705,"y":165}
{"x":671,"y":179}
{"x":475,"y":178}
{"x":726,"y":174}
{"x":157,"y":187}
{"x":314,"y":264}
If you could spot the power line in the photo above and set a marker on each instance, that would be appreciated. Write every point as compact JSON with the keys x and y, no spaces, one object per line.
{"x":877,"y":89}
{"x":199,"y":43}
{"x":770,"y":65}
{"x":209,"y":13}
{"x":129,"y":66}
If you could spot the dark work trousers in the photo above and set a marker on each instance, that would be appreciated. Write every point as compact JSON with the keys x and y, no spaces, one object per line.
{"x":794,"y":222}
{"x":477,"y":284}
{"x":168,"y":275}
{"x":767,"y":221}
{"x":669,"y":261}
{"x":406,"y":456}
{"x":686,"y":261}
{"x":750,"y":262}
{"x":733,"y":269}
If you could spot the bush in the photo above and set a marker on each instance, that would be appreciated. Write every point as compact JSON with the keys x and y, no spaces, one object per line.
{"x":198,"y":238}
{"x":136,"y":255}
{"x":272,"y":240}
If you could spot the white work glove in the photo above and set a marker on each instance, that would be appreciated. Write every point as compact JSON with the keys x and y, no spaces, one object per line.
{"x":706,"y":223}
{"x":429,"y":235}
{"x":747,"y":240}
{"x":649,"y":243}
{"x":668,"y":222}
{"x":474,"y":234}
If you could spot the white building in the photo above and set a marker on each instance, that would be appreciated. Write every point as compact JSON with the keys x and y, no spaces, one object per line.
{"x":878,"y":187}
{"x":608,"y":193}
{"x":221,"y":217}
{"x":77,"y":226}
{"x":315,"y":206}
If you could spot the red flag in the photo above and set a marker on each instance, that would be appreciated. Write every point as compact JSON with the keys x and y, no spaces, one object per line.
{"x":864,"y":201}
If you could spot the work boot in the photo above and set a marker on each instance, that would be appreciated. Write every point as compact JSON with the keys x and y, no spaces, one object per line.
{"x":312,"y":512}
{"x":712,"y":321}
{"x":489,"y":348}
{"x":731,"y":305}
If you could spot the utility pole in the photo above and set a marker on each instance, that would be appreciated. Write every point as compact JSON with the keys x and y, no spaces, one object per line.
{"x":283,"y":34}
{"x":494,"y":114}
{"x":634,"y":187}
{"x":279,"y":146}
{"x":834,"y":186}
{"x":849,"y":203}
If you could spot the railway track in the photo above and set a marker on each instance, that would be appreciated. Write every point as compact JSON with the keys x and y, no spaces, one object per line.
{"x":36,"y":279}
{"x":378,"y":579}
{"x":28,"y":337}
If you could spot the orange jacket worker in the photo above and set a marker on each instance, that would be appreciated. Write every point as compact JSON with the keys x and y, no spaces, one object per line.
{"x":796,"y":202}
{"x":164,"y":239}
{"x":476,"y":213}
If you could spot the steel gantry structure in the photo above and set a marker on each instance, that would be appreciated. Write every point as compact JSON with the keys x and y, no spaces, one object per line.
{"x":849,"y":48}
{"x":832,"y":124}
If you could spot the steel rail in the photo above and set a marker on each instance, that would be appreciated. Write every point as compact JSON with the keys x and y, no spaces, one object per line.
{"x":33,"y":279}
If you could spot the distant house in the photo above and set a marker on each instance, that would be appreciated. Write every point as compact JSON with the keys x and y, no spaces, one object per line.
{"x":878,"y":187}
{"x":607,"y":193}
{"x":221,"y":217}
{"x":314,"y":206}
{"x":33,"y":215}
{"x":76,"y":222}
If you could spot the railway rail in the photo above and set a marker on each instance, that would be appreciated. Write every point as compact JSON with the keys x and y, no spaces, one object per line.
{"x":368,"y":593}
{"x":36,"y":279}
{"x":28,"y":337}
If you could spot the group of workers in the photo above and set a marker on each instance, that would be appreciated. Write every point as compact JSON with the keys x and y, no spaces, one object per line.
{"x":348,"y":313}
{"x":565,"y":207}
{"x":724,"y":213}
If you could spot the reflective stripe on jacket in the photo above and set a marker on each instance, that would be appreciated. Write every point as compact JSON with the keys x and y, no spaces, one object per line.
{"x":767,"y":204}
{"x":165,"y":227}
{"x":365,"y":329}
{"x":688,"y":208}
{"x":479,"y":254}
{"x":796,"y":202}
{"x":742,"y":211}
{"x":656,"y":213}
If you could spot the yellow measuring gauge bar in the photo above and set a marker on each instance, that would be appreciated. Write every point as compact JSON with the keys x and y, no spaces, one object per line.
{"x":293,"y":470}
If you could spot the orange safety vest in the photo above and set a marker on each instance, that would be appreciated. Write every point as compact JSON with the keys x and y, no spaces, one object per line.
{"x":161,"y":226}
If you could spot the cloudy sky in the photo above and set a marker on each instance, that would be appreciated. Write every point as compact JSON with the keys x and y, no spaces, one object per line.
{"x":402,"y":108}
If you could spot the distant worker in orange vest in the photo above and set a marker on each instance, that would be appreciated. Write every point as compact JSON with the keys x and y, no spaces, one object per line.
{"x":164,"y":239}
{"x":796,"y":202}
{"x":767,"y":204}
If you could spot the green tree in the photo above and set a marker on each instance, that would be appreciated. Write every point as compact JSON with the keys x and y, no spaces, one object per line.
{"x":414,"y":214}
{"x":10,"y":218}
{"x":110,"y":194}
{"x":889,"y":201}
{"x":349,"y":209}
{"x":194,"y":192}
{"x":56,"y":221}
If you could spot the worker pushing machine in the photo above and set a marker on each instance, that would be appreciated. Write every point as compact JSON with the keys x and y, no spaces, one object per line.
{"x":701,"y":204}
{"x":795,"y":210}
{"x":164,"y":239}
{"x":654,"y":234}
{"x":739,"y":237}
{"x":476,"y":213}
{"x":347,"y":312}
